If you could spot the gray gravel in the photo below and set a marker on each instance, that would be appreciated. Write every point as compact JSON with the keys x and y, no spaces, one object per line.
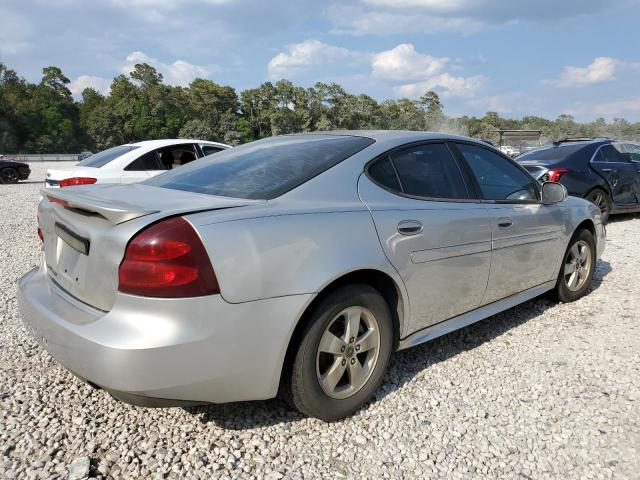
{"x":541,"y":391}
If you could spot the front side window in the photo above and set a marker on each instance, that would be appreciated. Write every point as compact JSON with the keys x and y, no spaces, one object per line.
{"x":631,"y":152}
{"x":497,"y":177}
{"x":263,"y":169}
{"x":100,"y":159}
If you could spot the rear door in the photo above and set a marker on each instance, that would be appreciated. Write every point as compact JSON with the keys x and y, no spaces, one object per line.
{"x":436,"y":237}
{"x":526,"y":235}
{"x":619,"y":172}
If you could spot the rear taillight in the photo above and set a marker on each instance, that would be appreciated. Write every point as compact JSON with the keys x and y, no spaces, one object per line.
{"x":69,"y":182}
{"x":554,"y":174}
{"x":167,"y":259}
{"x":39,"y":229}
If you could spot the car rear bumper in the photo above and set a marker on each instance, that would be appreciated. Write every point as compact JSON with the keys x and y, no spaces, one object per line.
{"x":169,"y":351}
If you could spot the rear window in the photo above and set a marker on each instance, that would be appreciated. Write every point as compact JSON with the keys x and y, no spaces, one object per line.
{"x":102,"y":158}
{"x":553,"y":153}
{"x":264,"y":169}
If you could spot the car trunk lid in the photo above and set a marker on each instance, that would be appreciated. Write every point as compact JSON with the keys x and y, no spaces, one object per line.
{"x":86,"y":230}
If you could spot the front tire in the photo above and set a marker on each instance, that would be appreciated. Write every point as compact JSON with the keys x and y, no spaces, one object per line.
{"x":9,"y":175}
{"x":578,"y":268}
{"x":343,"y":354}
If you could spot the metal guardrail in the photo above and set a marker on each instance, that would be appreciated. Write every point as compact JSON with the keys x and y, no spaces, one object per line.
{"x":42,"y":157}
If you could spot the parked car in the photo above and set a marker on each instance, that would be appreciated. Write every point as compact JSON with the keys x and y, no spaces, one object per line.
{"x":84,"y":155}
{"x":296,"y":264}
{"x":605,"y":172}
{"x":509,"y":150}
{"x":12,"y":171}
{"x":132,"y":162}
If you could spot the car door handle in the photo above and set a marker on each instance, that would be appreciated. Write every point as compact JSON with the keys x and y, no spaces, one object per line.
{"x":409,"y":227}
{"x":607,"y":169}
{"x":505,"y":223}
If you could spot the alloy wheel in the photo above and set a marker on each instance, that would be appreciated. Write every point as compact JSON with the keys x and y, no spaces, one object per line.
{"x":348,"y":352}
{"x":577,"y":265}
{"x":600,"y":201}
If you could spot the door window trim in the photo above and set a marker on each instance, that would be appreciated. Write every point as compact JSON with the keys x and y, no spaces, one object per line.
{"x":387,"y":155}
{"x":613,"y":144}
{"x":461,"y":158}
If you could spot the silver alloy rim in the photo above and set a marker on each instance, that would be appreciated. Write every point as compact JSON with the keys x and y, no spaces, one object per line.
{"x":599,"y":201}
{"x":577,"y":265}
{"x":348,"y":352}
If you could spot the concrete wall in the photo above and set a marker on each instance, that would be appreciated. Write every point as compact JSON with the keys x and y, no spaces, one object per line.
{"x":43,"y":157}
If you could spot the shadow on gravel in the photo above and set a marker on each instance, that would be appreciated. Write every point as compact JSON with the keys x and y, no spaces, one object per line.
{"x":404,"y":365}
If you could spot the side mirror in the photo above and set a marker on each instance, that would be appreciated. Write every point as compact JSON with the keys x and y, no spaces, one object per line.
{"x":553,"y":192}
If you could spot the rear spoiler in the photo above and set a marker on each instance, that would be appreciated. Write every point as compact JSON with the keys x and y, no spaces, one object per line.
{"x":114,"y":212}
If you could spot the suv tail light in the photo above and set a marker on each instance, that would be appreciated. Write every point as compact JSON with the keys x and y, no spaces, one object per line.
{"x":554,"y":174}
{"x":167,"y":259}
{"x":39,"y":229}
{"x":69,"y":182}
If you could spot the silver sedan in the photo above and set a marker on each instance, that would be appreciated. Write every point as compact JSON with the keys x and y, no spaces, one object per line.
{"x":296,"y":265}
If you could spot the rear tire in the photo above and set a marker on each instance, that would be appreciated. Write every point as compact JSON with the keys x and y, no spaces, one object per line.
{"x":343,"y":354}
{"x":578,"y":268}
{"x":601,"y":199}
{"x":9,"y":175}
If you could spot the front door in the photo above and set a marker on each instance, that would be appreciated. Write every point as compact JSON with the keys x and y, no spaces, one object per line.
{"x":526,"y":235}
{"x":621,"y":174}
{"x":437,"y":239}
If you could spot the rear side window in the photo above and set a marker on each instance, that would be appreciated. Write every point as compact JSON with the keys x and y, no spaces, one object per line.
{"x":148,"y":161}
{"x":560,"y":152}
{"x":100,"y":159}
{"x":264,"y":169}
{"x":608,"y":154}
{"x":498,"y":178}
{"x":429,"y":171}
{"x":383,"y":173}
{"x":208,"y":150}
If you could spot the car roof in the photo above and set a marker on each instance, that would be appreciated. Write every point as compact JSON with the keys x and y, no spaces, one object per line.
{"x":392,"y":137}
{"x":172,"y":141}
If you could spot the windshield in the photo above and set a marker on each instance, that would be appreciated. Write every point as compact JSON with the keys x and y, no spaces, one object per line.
{"x":264,"y":169}
{"x":102,"y":158}
{"x":553,"y":153}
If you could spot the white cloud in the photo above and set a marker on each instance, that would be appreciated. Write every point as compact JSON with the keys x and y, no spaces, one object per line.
{"x":310,"y":53}
{"x":403,"y":63}
{"x":607,"y":110}
{"x":179,"y":72}
{"x":357,"y":21}
{"x":602,"y":69}
{"x":446,"y":84}
{"x":15,"y":33}
{"x":85,"y":81}
{"x":406,"y":71}
{"x":385,"y":17}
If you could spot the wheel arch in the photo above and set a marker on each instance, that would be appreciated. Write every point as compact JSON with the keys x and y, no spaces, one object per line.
{"x":381,"y":281}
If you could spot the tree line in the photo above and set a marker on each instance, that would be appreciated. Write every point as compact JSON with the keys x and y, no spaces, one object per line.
{"x":45,"y":118}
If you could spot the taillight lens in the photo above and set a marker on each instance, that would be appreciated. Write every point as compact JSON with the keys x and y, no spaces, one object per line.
{"x":69,"y":182}
{"x":554,"y":174}
{"x":167,"y":259}
{"x":39,"y":229}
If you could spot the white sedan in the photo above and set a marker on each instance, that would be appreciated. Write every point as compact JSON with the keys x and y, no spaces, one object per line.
{"x":132,"y":162}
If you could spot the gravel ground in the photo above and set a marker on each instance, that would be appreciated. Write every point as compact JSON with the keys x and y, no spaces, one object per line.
{"x":541,"y":391}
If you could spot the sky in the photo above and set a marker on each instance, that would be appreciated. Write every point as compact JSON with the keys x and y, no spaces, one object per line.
{"x":525,"y":57}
